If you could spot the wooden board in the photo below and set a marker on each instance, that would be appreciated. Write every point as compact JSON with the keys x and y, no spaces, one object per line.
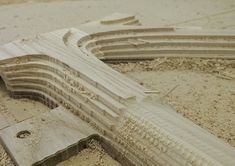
{"x":50,"y":133}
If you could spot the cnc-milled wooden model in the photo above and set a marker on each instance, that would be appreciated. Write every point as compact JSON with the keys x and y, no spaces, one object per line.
{"x":64,"y":68}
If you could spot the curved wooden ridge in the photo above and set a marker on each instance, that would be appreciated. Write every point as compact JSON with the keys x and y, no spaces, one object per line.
{"x":117,"y":19}
{"x":121,"y":19}
{"x":150,"y":43}
{"x":61,"y":68}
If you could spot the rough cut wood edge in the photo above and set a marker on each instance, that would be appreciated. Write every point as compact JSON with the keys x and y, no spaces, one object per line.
{"x":75,"y":149}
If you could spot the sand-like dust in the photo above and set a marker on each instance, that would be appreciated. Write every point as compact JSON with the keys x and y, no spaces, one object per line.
{"x":5,"y":160}
{"x":200,"y":90}
{"x":94,"y":155}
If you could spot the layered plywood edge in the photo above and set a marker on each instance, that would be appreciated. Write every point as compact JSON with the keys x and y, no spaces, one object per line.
{"x":64,"y":68}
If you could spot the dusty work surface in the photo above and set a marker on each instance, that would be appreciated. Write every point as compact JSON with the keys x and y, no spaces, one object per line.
{"x":5,"y":159}
{"x":201,"y":90}
{"x":58,"y":129}
{"x":93,"y":155}
{"x":26,"y":19}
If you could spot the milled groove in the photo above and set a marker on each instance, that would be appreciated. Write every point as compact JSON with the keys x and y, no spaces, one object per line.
{"x":48,"y":101}
{"x":57,"y":70}
{"x":66,"y":95}
{"x":163,"y":45}
{"x":79,"y":84}
{"x":133,"y":132}
{"x":117,"y":90}
{"x":173,"y":127}
{"x":161,"y":140}
{"x":157,"y":154}
{"x":71,"y":105}
{"x":130,"y":31}
{"x":125,"y":82}
{"x":162,"y":125}
{"x":157,"y":158}
{"x":109,"y":47}
{"x":119,"y":59}
{"x":46,"y":79}
{"x":50,"y":76}
{"x":158,"y":37}
{"x":129,"y":148}
{"x":11,"y":68}
{"x":63,"y":66}
{"x":117,"y":84}
{"x":166,"y":51}
{"x":140,"y":43}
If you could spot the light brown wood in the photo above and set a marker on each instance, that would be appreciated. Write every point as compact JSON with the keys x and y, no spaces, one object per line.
{"x":63,"y":68}
{"x":148,"y":43}
{"x":49,"y":134}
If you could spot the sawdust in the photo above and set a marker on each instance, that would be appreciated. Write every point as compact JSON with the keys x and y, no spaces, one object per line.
{"x":200,"y":90}
{"x":5,"y":160}
{"x":94,"y":155}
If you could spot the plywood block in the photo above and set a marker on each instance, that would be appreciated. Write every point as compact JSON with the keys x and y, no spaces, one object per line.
{"x":38,"y":138}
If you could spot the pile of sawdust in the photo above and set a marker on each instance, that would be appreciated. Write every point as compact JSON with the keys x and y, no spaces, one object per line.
{"x":200,"y":90}
{"x":94,"y":155}
{"x":216,"y":66}
{"x":5,"y":160}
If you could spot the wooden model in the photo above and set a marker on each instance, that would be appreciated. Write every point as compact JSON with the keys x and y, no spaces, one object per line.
{"x":64,"y":68}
